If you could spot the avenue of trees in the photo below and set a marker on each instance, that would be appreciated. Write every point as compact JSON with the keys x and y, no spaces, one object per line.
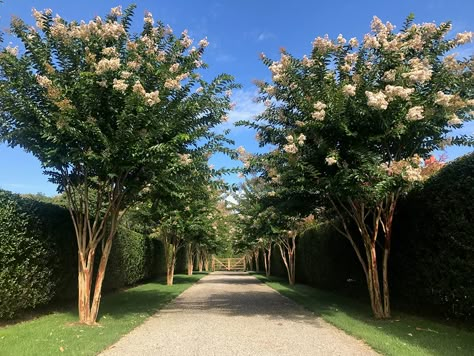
{"x":349,"y":126}
{"x":125,"y":125}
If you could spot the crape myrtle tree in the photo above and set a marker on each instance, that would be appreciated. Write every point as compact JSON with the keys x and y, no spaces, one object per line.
{"x":105,"y":109}
{"x":351,"y":121}
{"x":181,"y":211}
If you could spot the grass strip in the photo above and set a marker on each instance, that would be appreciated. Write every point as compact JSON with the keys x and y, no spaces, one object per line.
{"x":404,"y":334}
{"x":59,"y":334}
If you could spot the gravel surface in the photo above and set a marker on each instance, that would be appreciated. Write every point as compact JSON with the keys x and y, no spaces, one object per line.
{"x":229,"y":313}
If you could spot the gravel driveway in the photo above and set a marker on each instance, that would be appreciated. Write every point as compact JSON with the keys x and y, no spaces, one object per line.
{"x":235,"y":314}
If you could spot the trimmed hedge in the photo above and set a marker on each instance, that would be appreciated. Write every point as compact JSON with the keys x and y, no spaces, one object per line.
{"x":324,"y":259}
{"x":38,"y":255}
{"x":433,"y":245}
{"x":27,"y":268}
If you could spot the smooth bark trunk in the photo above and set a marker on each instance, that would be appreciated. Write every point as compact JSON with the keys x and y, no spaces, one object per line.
{"x":288,"y":254}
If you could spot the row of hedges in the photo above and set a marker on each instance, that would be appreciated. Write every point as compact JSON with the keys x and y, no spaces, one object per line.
{"x":38,"y":255}
{"x":432,"y":260}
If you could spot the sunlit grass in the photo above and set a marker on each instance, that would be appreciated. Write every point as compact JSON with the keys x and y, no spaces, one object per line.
{"x":402,"y":335}
{"x":59,"y":333}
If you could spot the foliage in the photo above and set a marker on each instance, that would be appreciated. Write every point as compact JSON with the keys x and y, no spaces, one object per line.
{"x":434,"y":251}
{"x":349,"y":123}
{"x":26,"y":276}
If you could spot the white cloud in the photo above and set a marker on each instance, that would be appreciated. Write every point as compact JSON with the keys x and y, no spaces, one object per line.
{"x":245,"y":108}
{"x":265,"y":36}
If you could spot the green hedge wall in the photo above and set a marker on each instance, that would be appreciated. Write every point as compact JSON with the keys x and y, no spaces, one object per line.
{"x":432,"y":261}
{"x":38,"y":255}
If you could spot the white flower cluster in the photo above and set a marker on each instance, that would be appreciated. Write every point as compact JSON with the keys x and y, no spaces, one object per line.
{"x":106,"y":65}
{"x":186,"y":41}
{"x":203,"y":43}
{"x":110,"y":51}
{"x":120,"y":85}
{"x":349,"y":90}
{"x":139,"y":89}
{"x":12,"y":50}
{"x":454,"y":120}
{"x":172,"y":84}
{"x":389,"y":76}
{"x":301,"y":139}
{"x":43,"y":81}
{"x":174,"y":67}
{"x":415,"y":113}
{"x":395,"y":91}
{"x":376,"y":100}
{"x":449,"y":100}
{"x":116,"y":11}
{"x":152,"y":98}
{"x":323,"y":44}
{"x":185,"y":159}
{"x":420,"y":71}
{"x":290,"y":147}
{"x":148,"y":19}
{"x":463,"y":38}
{"x":330,"y":160}
{"x":244,"y":156}
{"x":371,"y":41}
{"x":319,"y":112}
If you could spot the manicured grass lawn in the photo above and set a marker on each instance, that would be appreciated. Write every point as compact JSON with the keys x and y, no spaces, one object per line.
{"x":403,"y":335}
{"x":58,"y":332}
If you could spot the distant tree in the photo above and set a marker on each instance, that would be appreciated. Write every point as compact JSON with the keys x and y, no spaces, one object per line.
{"x":106,"y":111}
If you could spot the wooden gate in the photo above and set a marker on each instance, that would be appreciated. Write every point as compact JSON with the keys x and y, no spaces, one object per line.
{"x":228,"y":264}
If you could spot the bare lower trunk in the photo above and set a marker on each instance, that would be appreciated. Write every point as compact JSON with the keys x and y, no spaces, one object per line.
{"x":369,"y":222}
{"x":201,"y":264}
{"x":267,"y":255}
{"x":171,"y":244}
{"x":256,"y":255}
{"x":100,"y":279}
{"x":288,"y":254}
{"x":206,"y":263}
{"x":189,"y":258}
{"x":170,"y":274}
{"x":85,"y":274}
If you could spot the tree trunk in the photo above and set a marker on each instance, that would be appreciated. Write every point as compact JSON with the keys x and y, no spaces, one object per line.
{"x":206,"y":263}
{"x":256,"y":255}
{"x":265,"y":264}
{"x":85,"y":275}
{"x":268,"y":260}
{"x":189,"y":258}
{"x":369,"y":221}
{"x":170,"y":274}
{"x":100,"y":279}
{"x":288,"y":254}
{"x":200,"y":263}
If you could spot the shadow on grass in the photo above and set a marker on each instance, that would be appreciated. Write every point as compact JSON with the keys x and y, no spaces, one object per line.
{"x":395,"y":336}
{"x":145,"y":299}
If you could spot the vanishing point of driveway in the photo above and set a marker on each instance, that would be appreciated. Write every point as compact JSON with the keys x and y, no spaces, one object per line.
{"x":235,"y":314}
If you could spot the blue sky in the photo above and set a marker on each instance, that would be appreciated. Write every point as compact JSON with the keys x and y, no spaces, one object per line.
{"x":238,"y":31}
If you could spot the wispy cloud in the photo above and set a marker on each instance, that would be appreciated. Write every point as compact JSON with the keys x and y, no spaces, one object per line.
{"x":265,"y":36}
{"x":245,"y":107}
